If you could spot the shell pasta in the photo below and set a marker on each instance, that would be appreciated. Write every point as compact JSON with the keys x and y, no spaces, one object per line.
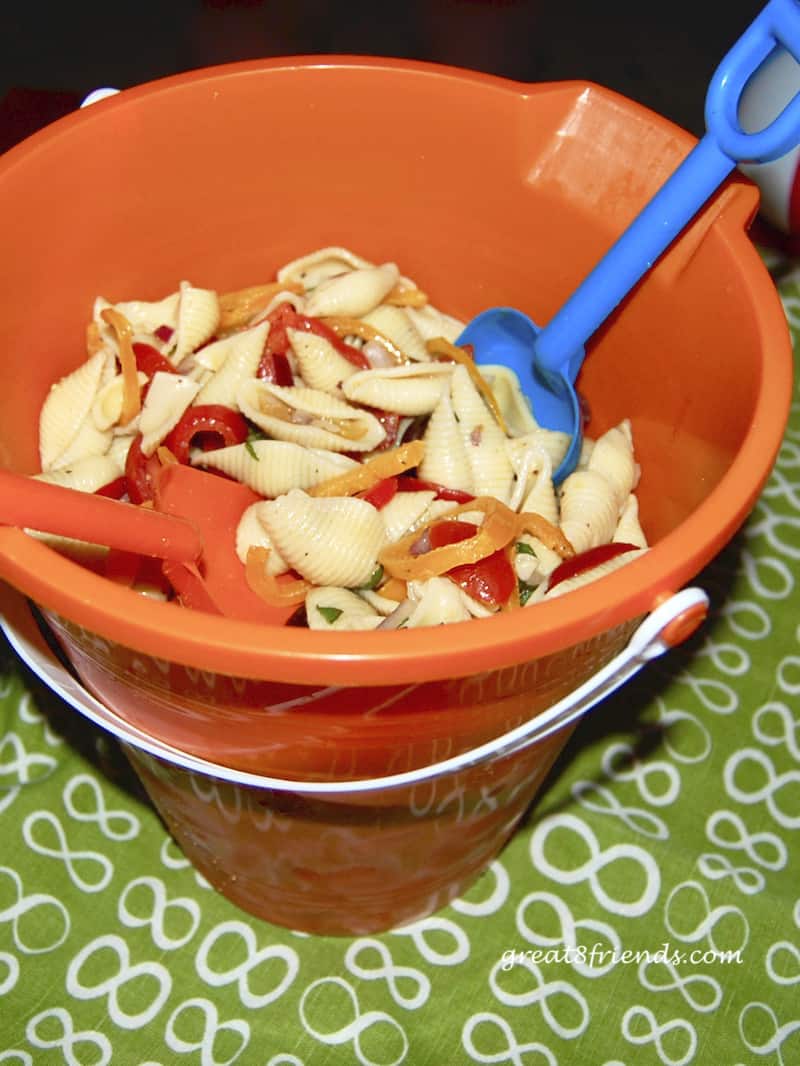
{"x":395,"y":484}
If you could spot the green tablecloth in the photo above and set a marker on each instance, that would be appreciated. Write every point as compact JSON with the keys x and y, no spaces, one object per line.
{"x":648,"y":910}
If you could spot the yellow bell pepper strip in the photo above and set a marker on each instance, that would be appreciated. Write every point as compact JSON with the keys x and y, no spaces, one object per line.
{"x":131,"y":396}
{"x":393,"y":589}
{"x":237,"y":308}
{"x":441,"y":348}
{"x":344,"y":326}
{"x":276,"y":591}
{"x":406,"y":297}
{"x":367,"y":474}
{"x":500,"y":527}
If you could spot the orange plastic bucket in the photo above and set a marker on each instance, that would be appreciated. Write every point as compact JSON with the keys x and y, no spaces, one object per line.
{"x":487,"y":192}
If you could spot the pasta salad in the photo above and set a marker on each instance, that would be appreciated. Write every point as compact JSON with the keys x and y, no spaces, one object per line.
{"x":391,"y":483}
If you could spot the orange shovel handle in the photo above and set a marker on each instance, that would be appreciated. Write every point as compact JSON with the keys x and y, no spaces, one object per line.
{"x":49,"y":508}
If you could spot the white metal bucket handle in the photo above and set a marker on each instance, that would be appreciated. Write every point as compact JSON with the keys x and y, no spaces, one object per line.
{"x":647,"y":642}
{"x":98,"y":94}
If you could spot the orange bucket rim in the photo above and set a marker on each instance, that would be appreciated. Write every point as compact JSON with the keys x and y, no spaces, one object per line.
{"x":461,"y":649}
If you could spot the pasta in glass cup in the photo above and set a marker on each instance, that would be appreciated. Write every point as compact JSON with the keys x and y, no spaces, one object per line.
{"x":697,"y":361}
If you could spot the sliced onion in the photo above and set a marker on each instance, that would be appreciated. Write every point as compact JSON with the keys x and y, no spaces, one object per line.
{"x":377,"y":355}
{"x":422,"y":545}
{"x":399,"y":616}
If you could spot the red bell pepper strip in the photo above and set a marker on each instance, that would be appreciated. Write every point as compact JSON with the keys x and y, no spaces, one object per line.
{"x":219,"y":426}
{"x":408,"y":483}
{"x":130,"y":568}
{"x":587,"y":560}
{"x":274,"y":367}
{"x":285,"y":317}
{"x":490,"y":580}
{"x":190,"y":588}
{"x":379,"y":495}
{"x":150,"y":361}
{"x":115,"y":489}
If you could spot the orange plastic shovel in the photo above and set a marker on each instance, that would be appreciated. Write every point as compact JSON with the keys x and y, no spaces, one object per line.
{"x":215,"y":505}
{"x":191,"y":528}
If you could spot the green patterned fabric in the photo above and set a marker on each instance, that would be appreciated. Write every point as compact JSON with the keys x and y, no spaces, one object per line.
{"x":647,"y":912}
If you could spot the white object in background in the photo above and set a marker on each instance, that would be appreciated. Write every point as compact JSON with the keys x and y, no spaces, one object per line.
{"x":765,"y":96}
{"x":98,"y":94}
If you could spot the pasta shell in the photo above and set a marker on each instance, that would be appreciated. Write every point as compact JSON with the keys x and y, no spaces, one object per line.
{"x":237,"y":358}
{"x":445,"y":461}
{"x":430,"y":323}
{"x":107,"y":406}
{"x":118,"y":448}
{"x":589,"y":509}
{"x":395,"y":324}
{"x":536,"y":565}
{"x":309,"y":270}
{"x":198,"y":318}
{"x":587,"y":447}
{"x":330,"y":540}
{"x":612,"y":456}
{"x":629,"y":530}
{"x":320,"y":365}
{"x":541,"y":497}
{"x":330,"y":607}
{"x":513,"y":404}
{"x":484,"y":441}
{"x":251,"y":533}
{"x":273,"y":467}
{"x":404,"y":512}
{"x":309,"y":417}
{"x":91,"y":556}
{"x":552,"y":442}
{"x":526,"y":463}
{"x":86,"y":475}
{"x":382,"y":604}
{"x":414,"y":389}
{"x":66,"y":406}
{"x":353,"y":294}
{"x":167,"y":398}
{"x":438,"y":601}
{"x":147,"y":317}
{"x":88,"y":441}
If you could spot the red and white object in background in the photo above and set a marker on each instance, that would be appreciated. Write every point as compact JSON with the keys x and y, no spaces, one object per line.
{"x":768,"y":92}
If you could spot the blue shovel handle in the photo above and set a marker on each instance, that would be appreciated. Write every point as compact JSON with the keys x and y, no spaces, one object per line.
{"x":559,"y":346}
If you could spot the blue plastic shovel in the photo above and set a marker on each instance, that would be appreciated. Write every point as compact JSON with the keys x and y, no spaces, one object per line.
{"x":547,"y":360}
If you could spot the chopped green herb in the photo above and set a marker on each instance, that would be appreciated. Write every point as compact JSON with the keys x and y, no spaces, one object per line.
{"x":524,"y":549}
{"x":525,"y":592}
{"x":375,"y":578}
{"x":330,"y":614}
{"x":253,"y":433}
